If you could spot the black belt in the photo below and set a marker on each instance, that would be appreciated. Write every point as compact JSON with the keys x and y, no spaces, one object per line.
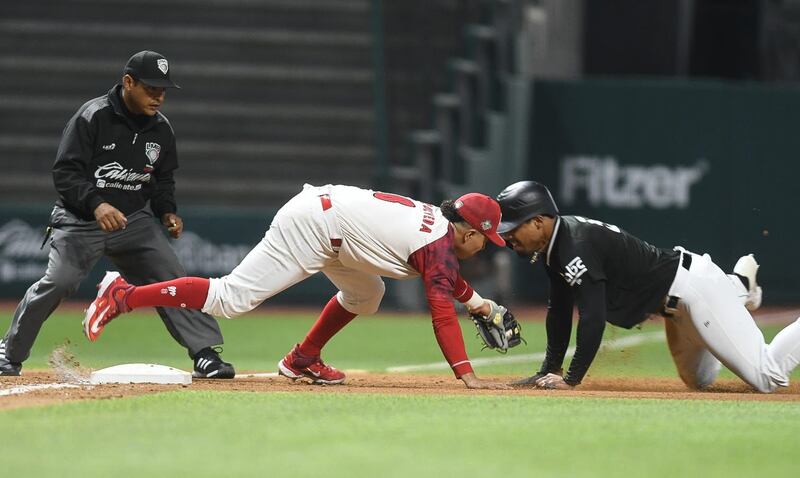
{"x":672,"y":301}
{"x":686,"y":260}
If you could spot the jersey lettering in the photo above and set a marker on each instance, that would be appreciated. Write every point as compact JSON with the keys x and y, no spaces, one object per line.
{"x":610,"y":227}
{"x":427,"y":218}
{"x":394,"y":198}
{"x":574,"y":270}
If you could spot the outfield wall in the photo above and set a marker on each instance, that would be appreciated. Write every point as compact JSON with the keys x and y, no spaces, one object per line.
{"x":213,"y":243}
{"x":711,"y":166}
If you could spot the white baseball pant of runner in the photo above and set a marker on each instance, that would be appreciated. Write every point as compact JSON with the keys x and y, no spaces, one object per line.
{"x":711,"y":325}
{"x":301,"y":241}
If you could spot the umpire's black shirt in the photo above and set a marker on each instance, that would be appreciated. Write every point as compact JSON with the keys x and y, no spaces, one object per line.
{"x":109,"y":155}
{"x":611,"y":275}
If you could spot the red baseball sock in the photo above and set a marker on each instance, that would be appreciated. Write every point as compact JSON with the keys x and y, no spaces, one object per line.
{"x":332,"y":319}
{"x":186,"y":292}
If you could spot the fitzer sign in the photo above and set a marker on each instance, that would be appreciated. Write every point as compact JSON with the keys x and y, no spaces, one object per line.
{"x":604,"y":182}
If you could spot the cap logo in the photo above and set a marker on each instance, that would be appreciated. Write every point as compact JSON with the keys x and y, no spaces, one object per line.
{"x":163,"y":65}
{"x":486,"y":225}
{"x":458,"y":204}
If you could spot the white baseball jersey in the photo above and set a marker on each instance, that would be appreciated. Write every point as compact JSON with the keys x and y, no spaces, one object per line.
{"x":380,"y":231}
{"x":353,"y":236}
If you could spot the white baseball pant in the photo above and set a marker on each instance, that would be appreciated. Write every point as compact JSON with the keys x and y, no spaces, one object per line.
{"x":711,"y":325}
{"x":301,"y":241}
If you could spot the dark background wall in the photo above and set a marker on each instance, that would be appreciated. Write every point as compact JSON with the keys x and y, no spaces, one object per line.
{"x":273,"y":93}
{"x":420,"y":37}
{"x":281,"y":92}
{"x":733,"y":39}
{"x":706,"y":165}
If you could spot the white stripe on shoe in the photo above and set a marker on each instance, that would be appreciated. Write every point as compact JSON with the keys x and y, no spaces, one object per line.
{"x":287,"y":372}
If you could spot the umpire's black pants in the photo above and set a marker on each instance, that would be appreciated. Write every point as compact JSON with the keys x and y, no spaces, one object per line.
{"x":142,"y":255}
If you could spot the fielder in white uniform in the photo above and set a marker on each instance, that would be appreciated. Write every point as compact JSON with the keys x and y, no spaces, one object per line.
{"x":353,"y":236}
{"x":617,"y":278}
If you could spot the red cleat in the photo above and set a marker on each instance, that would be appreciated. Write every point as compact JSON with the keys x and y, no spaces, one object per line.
{"x":296,"y":365}
{"x":110,"y":302}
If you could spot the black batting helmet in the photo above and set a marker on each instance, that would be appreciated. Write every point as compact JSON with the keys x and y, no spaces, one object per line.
{"x":522,"y":201}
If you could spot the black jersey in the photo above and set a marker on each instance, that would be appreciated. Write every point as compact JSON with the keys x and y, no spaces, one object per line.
{"x":610,"y":275}
{"x":109,"y":155}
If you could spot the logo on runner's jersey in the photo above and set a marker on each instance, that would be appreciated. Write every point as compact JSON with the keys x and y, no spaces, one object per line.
{"x":171,"y":290}
{"x":573,"y":271}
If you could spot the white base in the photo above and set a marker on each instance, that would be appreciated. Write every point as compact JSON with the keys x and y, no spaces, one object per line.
{"x":141,"y":373}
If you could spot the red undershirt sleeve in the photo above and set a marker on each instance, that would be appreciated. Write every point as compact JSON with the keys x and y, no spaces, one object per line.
{"x":462,"y":291}
{"x":448,"y":335}
{"x":438,"y":266}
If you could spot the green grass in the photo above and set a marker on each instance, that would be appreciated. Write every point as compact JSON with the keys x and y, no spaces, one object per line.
{"x":201,"y":434}
{"x":198,"y":434}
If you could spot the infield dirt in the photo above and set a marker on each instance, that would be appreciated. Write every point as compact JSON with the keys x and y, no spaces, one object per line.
{"x":408,"y":384}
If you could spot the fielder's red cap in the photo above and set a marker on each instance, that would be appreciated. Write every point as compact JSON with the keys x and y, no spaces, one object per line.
{"x":482,"y":213}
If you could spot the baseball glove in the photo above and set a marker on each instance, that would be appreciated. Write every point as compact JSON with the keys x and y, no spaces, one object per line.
{"x":499,"y":330}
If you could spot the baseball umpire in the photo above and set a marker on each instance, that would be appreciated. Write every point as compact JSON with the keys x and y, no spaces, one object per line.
{"x":354,"y":236}
{"x":114,"y":177}
{"x":617,"y":278}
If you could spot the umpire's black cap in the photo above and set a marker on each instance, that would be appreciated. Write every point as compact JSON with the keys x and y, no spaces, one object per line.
{"x":522,"y":201}
{"x":150,"y":68}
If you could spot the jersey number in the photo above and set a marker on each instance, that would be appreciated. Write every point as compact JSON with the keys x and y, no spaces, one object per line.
{"x":610,"y":227}
{"x":395,"y":198}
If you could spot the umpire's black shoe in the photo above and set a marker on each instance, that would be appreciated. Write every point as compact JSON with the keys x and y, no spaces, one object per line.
{"x":208,"y":364}
{"x":10,"y":368}
{"x":7,"y":367}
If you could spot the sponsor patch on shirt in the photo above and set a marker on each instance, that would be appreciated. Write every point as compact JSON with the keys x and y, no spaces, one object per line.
{"x":152,"y":151}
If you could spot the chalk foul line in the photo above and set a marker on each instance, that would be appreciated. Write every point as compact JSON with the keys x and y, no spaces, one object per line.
{"x":32,"y":388}
{"x":614,"y":344}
